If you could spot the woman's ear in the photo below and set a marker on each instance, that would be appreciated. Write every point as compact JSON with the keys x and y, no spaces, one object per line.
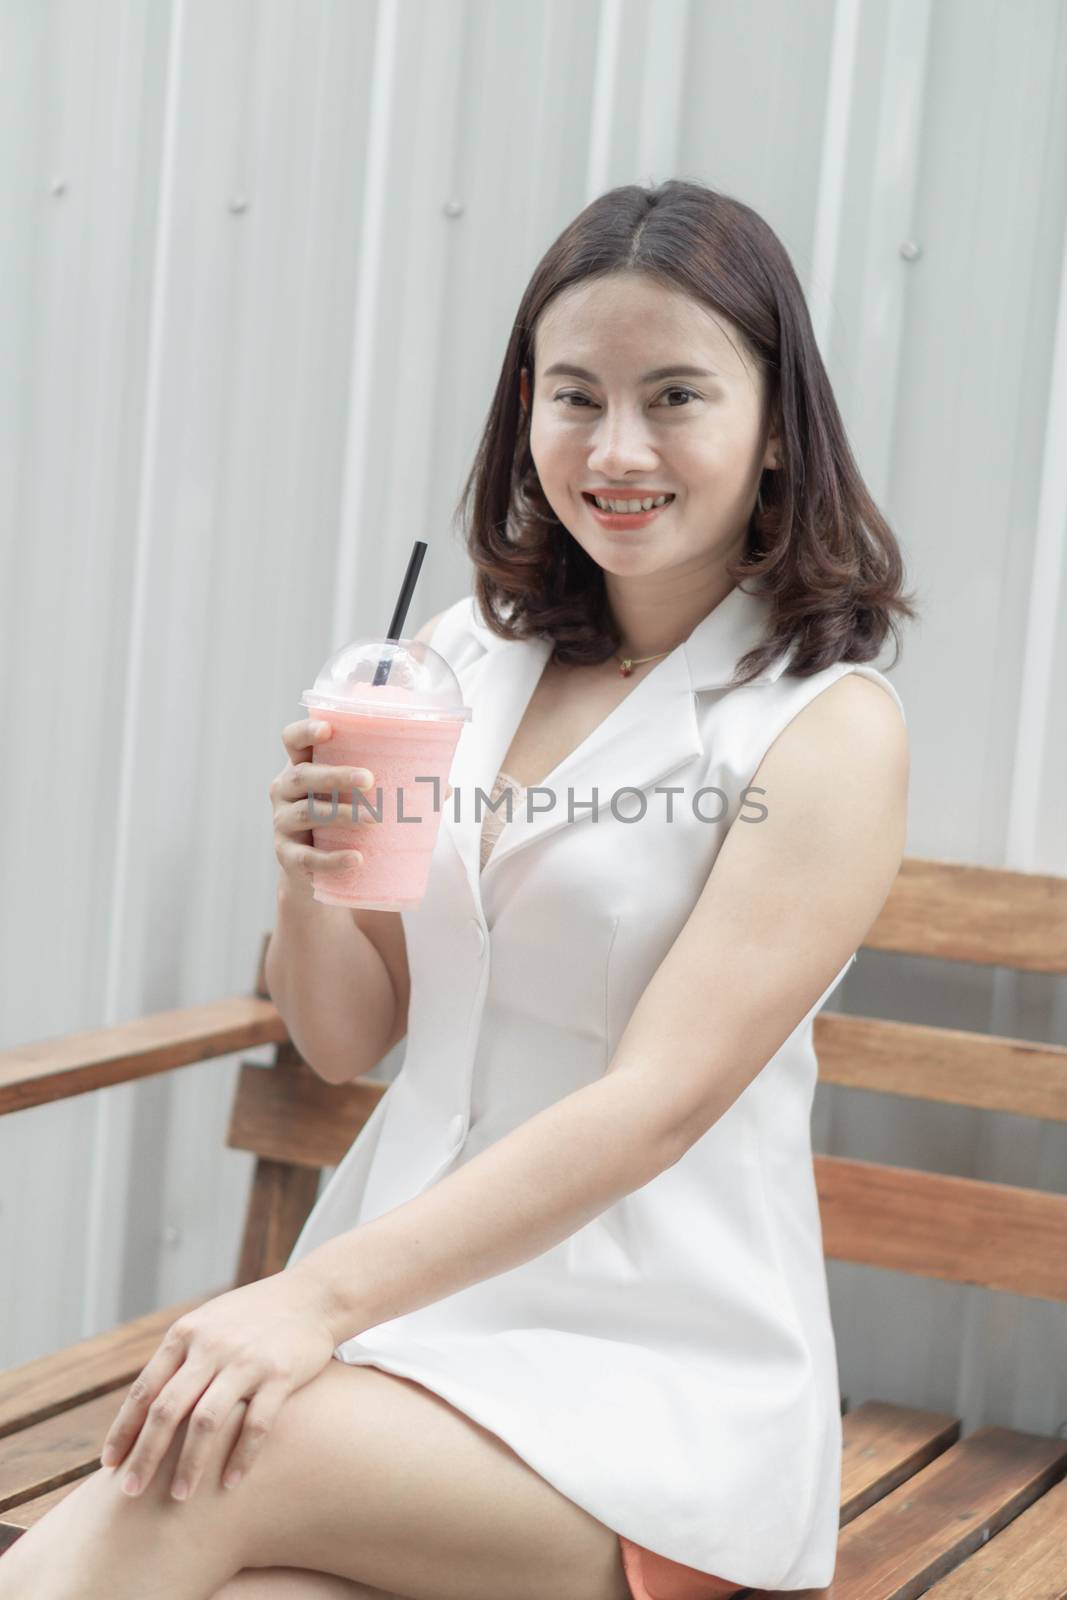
{"x":524,"y":389}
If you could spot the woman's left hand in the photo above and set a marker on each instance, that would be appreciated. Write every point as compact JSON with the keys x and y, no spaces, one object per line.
{"x":257,"y":1343}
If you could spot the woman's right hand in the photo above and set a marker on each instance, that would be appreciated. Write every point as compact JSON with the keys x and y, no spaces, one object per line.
{"x":293,"y":840}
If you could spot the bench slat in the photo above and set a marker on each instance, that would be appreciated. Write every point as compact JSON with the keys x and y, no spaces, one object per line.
{"x":948,"y":1065}
{"x":987,"y":915}
{"x":1028,"y":1558}
{"x":922,"y":1530}
{"x":56,"y":1069}
{"x":15,"y":1522}
{"x":39,"y":1389}
{"x":55,"y":1451}
{"x":883,"y":1445}
{"x":964,"y":1230}
{"x":286,"y":1113}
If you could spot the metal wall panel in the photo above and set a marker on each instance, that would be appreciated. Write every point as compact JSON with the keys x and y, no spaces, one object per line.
{"x":260,"y":261}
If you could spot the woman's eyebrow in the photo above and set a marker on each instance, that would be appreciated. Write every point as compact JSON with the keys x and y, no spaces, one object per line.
{"x":565,"y":369}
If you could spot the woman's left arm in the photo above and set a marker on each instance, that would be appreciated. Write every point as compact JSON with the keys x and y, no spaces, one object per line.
{"x":788,"y":901}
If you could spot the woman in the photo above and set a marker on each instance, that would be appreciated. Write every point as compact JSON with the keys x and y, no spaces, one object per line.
{"x":571,"y":1270}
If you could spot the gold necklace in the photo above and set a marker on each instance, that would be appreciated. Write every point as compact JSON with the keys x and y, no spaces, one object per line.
{"x":630,"y":662}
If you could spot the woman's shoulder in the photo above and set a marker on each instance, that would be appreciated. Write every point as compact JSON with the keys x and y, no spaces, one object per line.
{"x":853,"y":683}
{"x":845,"y":707}
{"x":855,"y":688}
{"x":849,"y":712}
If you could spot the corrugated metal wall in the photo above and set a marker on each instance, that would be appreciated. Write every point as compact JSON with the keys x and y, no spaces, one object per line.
{"x":259,"y":263}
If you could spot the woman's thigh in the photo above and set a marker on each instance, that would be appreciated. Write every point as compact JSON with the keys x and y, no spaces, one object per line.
{"x":374,"y":1478}
{"x":296,"y":1583}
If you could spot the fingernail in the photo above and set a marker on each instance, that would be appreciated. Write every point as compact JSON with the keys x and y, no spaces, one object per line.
{"x":322,"y":727}
{"x":132,"y":1484}
{"x":231,"y":1480}
{"x":180,"y":1489}
{"x":109,"y":1456}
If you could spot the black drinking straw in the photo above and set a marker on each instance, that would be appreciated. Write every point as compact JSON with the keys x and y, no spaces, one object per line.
{"x":400,"y":611}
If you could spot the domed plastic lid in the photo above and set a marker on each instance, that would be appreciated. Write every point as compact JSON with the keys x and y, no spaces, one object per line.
{"x":389,"y":678}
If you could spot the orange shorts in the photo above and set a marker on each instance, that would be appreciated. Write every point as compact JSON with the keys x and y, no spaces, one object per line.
{"x":653,"y":1577}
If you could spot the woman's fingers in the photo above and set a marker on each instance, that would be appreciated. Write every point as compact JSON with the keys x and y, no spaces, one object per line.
{"x":307,"y":778}
{"x":140,"y":1396}
{"x":260,"y":1412}
{"x":305,"y":858}
{"x":205,"y":1423}
{"x":299,"y":738}
{"x":185,"y":1393}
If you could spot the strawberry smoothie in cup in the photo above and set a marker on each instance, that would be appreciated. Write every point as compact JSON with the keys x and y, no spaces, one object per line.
{"x":396,"y":708}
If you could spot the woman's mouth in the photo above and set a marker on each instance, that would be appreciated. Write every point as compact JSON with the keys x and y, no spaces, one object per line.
{"x":623,"y":521}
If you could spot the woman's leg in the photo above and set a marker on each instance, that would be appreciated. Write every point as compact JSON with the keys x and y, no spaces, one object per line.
{"x":97,"y":1542}
{"x":291,"y":1583}
{"x":364,"y":1475}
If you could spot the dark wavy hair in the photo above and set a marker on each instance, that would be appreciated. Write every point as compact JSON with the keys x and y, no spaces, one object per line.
{"x":816,"y":542}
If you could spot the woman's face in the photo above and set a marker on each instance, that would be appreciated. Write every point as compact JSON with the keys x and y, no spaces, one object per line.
{"x":618,"y":431}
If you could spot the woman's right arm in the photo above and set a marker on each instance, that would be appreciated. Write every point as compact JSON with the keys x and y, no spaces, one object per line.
{"x":338,"y":975}
{"x":332,"y":987}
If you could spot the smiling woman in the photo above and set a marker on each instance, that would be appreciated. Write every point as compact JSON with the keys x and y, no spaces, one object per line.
{"x":664,"y":493}
{"x":559,"y":1323}
{"x":587,"y":1206}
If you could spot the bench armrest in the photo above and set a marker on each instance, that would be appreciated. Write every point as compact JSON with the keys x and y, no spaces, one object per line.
{"x":57,"y":1069}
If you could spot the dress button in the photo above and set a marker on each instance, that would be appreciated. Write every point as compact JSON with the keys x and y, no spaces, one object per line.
{"x":455,"y":1130}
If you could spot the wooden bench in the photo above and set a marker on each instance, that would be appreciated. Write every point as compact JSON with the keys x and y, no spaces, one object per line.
{"x":923,"y":1510}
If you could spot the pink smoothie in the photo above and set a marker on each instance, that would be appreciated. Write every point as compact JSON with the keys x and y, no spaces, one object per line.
{"x":396,"y":851}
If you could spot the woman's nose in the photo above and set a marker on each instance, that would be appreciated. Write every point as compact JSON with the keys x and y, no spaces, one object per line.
{"x":622,"y":444}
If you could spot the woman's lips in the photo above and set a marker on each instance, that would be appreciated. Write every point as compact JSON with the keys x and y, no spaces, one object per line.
{"x":623,"y":521}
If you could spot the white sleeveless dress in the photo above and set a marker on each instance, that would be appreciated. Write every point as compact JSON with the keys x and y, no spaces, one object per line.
{"x":670,"y":1366}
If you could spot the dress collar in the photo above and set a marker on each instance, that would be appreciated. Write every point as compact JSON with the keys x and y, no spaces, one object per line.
{"x":732,"y":628}
{"x":652,"y":732}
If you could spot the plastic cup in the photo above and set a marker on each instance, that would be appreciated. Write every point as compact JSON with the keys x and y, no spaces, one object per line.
{"x":402,"y":721}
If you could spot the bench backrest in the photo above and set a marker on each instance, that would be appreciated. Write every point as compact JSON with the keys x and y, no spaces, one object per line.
{"x":961,"y":1229}
{"x":965,"y":1230}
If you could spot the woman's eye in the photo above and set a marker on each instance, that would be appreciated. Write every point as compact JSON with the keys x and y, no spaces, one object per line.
{"x":572,"y":395}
